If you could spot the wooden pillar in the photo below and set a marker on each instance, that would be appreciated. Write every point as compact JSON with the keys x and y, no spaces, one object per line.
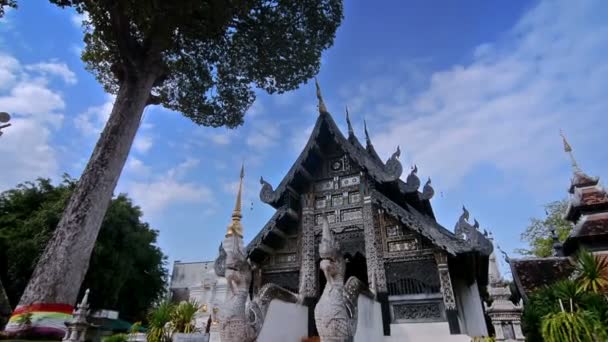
{"x":449,"y":301}
{"x":375,"y":262}
{"x":308,"y":267}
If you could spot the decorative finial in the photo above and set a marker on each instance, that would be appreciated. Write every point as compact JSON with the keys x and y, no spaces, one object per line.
{"x":568,"y":149}
{"x":351,"y":132}
{"x":235,"y":227}
{"x":85,"y":299}
{"x":322,"y":108}
{"x":367,"y":139}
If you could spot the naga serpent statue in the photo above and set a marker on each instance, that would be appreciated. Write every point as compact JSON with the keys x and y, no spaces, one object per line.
{"x":240,"y":320}
{"x":336,"y":311}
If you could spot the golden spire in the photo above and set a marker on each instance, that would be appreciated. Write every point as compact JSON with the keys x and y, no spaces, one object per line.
{"x":568,"y":149}
{"x":322,"y":108}
{"x":235,"y":227}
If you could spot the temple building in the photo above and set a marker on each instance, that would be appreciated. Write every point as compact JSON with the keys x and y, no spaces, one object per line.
{"x":588,"y":212}
{"x":427,"y":281}
{"x":197,"y":281}
{"x":426,"y":277}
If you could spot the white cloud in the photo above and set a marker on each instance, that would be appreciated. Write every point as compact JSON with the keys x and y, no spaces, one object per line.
{"x":78,"y":19}
{"x":224,"y":138}
{"x":143,"y":142}
{"x":506,"y":106}
{"x":263,"y":134}
{"x":36,"y":109}
{"x":137,"y":167}
{"x":91,"y":121}
{"x":33,"y":99}
{"x":54,"y":69}
{"x":26,"y":153}
{"x":168,"y":189}
{"x":156,"y":196}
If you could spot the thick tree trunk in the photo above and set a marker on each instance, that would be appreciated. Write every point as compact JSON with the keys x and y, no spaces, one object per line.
{"x":64,"y":263}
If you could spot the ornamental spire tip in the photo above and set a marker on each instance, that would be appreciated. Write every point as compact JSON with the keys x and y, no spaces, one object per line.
{"x":322,"y":108}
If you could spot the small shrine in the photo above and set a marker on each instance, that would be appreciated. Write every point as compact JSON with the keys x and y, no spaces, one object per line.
{"x":505,"y":316}
{"x":78,"y":325}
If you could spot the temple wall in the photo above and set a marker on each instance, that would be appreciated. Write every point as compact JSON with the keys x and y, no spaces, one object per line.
{"x":437,"y":331}
{"x":285,"y":322}
{"x":470,"y":308}
{"x":369,"y":322}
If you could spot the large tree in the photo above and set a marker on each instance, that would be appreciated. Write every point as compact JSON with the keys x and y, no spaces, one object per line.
{"x":6,"y":3}
{"x":127,"y":271}
{"x":538,"y":234}
{"x":202,"y":58}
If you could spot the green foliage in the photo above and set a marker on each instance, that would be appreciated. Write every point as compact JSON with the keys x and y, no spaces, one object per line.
{"x":158,"y":322}
{"x":127,"y":271}
{"x":135,"y":328}
{"x":116,"y":338}
{"x":538,"y":234}
{"x":206,"y":55}
{"x":591,"y":272}
{"x":182,"y":317}
{"x":6,"y":3}
{"x":545,"y":302}
{"x":578,"y":325}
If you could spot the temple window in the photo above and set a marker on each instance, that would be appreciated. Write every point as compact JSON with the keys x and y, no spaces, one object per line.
{"x":285,"y":258}
{"x":394,"y":231}
{"x":349,"y":181}
{"x":352,"y":214}
{"x":337,"y":200}
{"x":320,"y":202}
{"x":331,"y":217}
{"x":324,"y":185}
{"x":354,"y":197}
{"x":403,"y":245}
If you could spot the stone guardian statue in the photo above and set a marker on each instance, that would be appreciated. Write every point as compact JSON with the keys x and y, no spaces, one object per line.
{"x":336,"y":311}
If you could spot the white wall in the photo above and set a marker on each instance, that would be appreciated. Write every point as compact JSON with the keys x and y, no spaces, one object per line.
{"x":470,"y":309}
{"x":369,"y":322}
{"x":285,"y":322}
{"x":415,"y":332}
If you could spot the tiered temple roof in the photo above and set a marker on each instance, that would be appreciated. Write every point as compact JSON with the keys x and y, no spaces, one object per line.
{"x":401,"y":199}
{"x":588,"y":212}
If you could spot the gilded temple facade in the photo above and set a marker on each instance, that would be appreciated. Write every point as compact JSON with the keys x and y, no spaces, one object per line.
{"x":420,"y":272}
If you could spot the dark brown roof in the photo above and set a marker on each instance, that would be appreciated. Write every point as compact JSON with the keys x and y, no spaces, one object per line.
{"x":530,"y":274}
{"x":591,"y":229}
{"x":581,"y":179}
{"x":382,"y":173}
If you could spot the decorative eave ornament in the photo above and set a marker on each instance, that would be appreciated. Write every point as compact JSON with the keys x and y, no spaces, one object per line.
{"x":322,"y":108}
{"x":351,"y":131}
{"x":393,"y":165}
{"x":470,"y":234}
{"x":413,"y":182}
{"x":427,"y":191}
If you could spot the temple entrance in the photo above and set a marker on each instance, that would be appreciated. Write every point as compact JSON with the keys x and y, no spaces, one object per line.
{"x":356,"y":266}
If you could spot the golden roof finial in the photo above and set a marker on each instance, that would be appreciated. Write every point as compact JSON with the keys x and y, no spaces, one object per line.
{"x":322,"y":108}
{"x":235,"y":227}
{"x":568,"y":149}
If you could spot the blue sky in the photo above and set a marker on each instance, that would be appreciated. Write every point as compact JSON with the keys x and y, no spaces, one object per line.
{"x":474,"y":92}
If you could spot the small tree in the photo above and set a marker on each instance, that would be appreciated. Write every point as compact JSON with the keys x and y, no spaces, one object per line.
{"x":182,"y":317}
{"x":159,"y":319}
{"x":538,"y":233}
{"x":198,"y":57}
{"x":591,"y":272}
